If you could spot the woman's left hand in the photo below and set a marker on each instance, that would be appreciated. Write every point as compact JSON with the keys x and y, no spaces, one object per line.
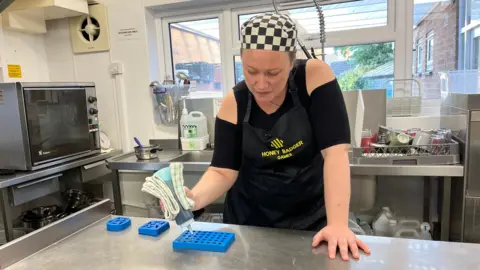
{"x":342,"y":237}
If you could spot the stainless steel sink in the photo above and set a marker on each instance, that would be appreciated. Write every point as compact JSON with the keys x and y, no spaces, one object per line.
{"x":195,"y":157}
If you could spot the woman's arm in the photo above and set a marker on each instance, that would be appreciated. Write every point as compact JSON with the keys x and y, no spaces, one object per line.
{"x":223,"y":172}
{"x":336,"y":173}
{"x":330,"y":124}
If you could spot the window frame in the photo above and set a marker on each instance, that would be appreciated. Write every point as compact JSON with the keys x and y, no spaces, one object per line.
{"x":399,"y":29}
{"x":420,"y":53}
{"x":430,"y":47}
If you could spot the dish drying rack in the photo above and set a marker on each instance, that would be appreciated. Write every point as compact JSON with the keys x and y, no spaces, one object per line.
{"x":429,"y":154}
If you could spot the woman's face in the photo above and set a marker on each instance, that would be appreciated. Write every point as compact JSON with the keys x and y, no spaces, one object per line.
{"x":266,"y":73}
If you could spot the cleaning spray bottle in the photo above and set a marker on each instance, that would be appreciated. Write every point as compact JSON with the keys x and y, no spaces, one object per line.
{"x":167,"y":185}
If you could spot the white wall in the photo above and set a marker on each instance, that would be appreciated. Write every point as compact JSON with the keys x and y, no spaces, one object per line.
{"x":26,"y":50}
{"x":135,"y":114}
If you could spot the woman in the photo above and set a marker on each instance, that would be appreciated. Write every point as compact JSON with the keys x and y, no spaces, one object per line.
{"x":281,"y":142}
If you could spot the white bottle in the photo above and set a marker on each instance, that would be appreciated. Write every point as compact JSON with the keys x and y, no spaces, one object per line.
{"x":193,"y":124}
{"x":184,"y":123}
{"x":381,"y":223}
{"x":425,"y":231}
{"x":392,"y":226}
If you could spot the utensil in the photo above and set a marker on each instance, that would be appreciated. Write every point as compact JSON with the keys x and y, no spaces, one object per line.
{"x":41,"y":216}
{"x":76,"y":200}
{"x":137,"y":141}
{"x":147,"y":152}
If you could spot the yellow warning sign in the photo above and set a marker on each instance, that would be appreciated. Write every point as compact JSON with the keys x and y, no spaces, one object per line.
{"x":14,"y":71}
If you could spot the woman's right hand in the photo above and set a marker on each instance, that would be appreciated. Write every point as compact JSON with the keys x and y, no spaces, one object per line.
{"x":190,"y":195}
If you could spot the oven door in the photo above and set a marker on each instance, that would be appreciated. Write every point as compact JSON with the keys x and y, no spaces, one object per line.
{"x":57,"y":122}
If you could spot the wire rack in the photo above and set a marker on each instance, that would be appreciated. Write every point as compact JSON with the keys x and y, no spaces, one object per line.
{"x":429,"y":154}
{"x":407,"y":97}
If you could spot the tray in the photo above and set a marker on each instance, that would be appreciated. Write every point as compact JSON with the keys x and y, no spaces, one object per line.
{"x":154,"y":228}
{"x":204,"y":241}
{"x":118,"y":224}
{"x":431,"y":154}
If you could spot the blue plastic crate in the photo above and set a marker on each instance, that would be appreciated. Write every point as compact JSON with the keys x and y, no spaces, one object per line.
{"x":204,"y":240}
{"x":118,"y":224}
{"x":154,"y":228}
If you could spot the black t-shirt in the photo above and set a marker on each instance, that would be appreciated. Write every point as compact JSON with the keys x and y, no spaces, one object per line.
{"x":325,"y":106}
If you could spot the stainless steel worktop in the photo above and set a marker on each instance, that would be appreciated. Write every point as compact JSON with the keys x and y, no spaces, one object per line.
{"x":21,"y":177}
{"x":254,"y":248}
{"x":200,"y":160}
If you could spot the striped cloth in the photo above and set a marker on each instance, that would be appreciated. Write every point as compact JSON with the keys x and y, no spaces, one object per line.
{"x":176,"y":169}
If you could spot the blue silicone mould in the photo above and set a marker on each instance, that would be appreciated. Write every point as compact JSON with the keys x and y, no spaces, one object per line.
{"x":118,"y":224}
{"x":204,"y":240}
{"x":154,"y":228}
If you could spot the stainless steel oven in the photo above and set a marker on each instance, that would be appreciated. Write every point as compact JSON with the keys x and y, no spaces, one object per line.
{"x":43,"y":124}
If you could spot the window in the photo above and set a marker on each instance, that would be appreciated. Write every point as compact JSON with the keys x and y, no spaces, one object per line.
{"x":435,"y":31}
{"x":204,"y":43}
{"x":344,"y":16}
{"x":237,"y":60}
{"x":195,"y":52}
{"x":474,"y":11}
{"x":357,"y":67}
{"x":338,"y":17}
{"x":419,"y":57}
{"x":430,"y":51}
{"x":476,"y":57}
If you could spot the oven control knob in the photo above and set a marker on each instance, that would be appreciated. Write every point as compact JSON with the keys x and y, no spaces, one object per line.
{"x":92,"y":99}
{"x":93,"y":111}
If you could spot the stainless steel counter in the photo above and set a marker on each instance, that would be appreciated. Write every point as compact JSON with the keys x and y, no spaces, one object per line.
{"x":201,"y":163}
{"x":254,"y":248}
{"x":21,"y":177}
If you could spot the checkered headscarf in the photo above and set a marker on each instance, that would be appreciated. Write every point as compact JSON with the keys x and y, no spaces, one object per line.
{"x":270,"y":31}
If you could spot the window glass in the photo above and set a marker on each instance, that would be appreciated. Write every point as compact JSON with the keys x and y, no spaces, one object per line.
{"x":474,"y":10}
{"x":435,"y":37}
{"x":196,"y":53}
{"x":357,"y":67}
{"x":338,"y":17}
{"x":476,"y":57}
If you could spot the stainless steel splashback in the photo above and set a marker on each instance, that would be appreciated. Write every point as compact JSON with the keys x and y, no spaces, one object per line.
{"x":375,"y":108}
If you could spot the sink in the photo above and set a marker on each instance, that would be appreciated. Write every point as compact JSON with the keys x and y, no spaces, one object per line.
{"x":194,"y":157}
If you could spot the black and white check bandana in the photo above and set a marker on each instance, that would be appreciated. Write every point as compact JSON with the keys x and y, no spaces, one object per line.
{"x":270,"y":31}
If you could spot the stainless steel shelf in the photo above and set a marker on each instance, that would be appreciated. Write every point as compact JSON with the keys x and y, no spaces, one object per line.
{"x":130,"y":162}
{"x":21,"y":177}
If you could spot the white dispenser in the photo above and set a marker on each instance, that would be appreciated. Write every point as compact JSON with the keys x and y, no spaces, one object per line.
{"x":193,"y":124}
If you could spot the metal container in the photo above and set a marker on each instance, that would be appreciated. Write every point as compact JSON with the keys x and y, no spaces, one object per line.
{"x":147,"y":152}
{"x":41,"y":216}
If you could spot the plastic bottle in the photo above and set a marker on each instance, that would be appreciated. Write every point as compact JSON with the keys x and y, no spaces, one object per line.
{"x":381,"y":223}
{"x":194,"y":124}
{"x":425,"y":231}
{"x":392,"y":226}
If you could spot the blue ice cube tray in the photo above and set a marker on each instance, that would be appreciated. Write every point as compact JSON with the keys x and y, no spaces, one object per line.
{"x":154,"y":228}
{"x":118,"y":224}
{"x":204,"y":241}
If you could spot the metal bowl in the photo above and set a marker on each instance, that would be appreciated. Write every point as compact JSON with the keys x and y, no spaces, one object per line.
{"x":147,"y":152}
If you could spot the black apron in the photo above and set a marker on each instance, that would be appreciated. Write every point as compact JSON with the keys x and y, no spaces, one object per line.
{"x":280,"y":182}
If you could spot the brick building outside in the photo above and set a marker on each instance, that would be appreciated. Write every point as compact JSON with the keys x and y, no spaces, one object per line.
{"x":435,"y":38}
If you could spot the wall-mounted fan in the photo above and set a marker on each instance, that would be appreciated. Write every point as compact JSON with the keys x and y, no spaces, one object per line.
{"x":90,"y":33}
